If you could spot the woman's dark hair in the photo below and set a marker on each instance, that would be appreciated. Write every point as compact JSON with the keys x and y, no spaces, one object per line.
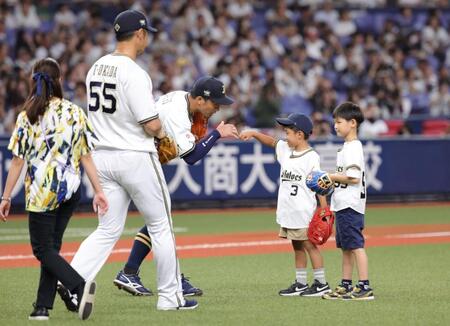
{"x":45,"y":83}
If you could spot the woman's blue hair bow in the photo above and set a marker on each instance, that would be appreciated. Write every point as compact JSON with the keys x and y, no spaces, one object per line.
{"x":39,"y":77}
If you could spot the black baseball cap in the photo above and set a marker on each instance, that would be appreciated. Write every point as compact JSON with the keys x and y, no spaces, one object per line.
{"x":130,"y":21}
{"x":211,"y":88}
{"x":297,"y":120}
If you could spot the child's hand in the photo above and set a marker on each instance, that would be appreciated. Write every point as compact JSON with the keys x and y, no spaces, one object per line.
{"x":246,"y":135}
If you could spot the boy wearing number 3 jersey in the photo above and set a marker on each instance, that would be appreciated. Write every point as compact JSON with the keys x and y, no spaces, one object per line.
{"x":348,"y":202}
{"x":297,"y":203}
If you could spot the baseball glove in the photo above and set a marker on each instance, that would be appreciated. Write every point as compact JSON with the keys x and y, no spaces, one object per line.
{"x":321,"y":226}
{"x":320,"y":183}
{"x":167,"y":149}
{"x":199,"y":126}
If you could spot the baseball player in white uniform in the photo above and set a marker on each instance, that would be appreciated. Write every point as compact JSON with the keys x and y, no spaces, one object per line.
{"x":176,"y":111}
{"x":297,"y":203}
{"x":125,"y":120}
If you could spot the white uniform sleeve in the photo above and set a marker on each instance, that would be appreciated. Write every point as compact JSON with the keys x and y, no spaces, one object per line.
{"x":139,"y":93}
{"x":181,"y":132}
{"x":352,"y":160}
{"x":280,"y":148}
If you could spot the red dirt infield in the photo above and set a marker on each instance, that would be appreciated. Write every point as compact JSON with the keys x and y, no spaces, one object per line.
{"x":235,"y":244}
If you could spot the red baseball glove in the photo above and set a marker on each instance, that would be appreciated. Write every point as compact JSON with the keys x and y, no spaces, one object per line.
{"x":199,"y":126}
{"x":321,"y":226}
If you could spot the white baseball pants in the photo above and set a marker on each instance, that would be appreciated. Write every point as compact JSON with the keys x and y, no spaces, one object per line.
{"x":136,"y":176}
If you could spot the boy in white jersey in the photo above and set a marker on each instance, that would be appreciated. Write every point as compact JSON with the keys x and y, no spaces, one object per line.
{"x":124,"y":116}
{"x":296,"y":203}
{"x":349,"y":202}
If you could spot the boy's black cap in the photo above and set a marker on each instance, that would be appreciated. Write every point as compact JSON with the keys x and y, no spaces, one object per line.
{"x":297,"y":120}
{"x":212,"y":89}
{"x":131,"y":20}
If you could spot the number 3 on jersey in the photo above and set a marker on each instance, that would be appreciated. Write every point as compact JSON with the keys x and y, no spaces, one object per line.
{"x":107,"y":90}
{"x":294,"y":190}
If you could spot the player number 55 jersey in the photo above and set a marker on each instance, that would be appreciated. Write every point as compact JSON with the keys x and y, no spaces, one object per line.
{"x":120,"y":100}
{"x":350,"y":161}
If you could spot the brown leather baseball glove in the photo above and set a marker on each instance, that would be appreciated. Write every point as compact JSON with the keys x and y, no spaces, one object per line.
{"x":167,"y":149}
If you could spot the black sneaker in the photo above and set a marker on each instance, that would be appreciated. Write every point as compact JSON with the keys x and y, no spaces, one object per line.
{"x":86,"y":295}
{"x":317,"y":289}
{"x":359,"y":293}
{"x":38,"y":313}
{"x":70,"y":300}
{"x":295,"y":289}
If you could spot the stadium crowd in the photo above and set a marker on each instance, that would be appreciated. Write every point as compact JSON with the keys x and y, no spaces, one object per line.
{"x":275,"y":57}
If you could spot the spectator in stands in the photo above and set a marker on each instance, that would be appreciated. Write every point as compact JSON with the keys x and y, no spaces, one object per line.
{"x":64,"y":16}
{"x":434,"y":35}
{"x":44,"y":10}
{"x":280,"y":14}
{"x":80,"y":96}
{"x":440,"y":101}
{"x":314,"y":44}
{"x":268,"y":105}
{"x":372,"y":126}
{"x":405,"y":130}
{"x":321,"y":126}
{"x":327,"y":14}
{"x":325,"y":97}
{"x":208,"y":54}
{"x":289,"y":77}
{"x":345,"y":26}
{"x":25,"y":15}
{"x":222,"y":32}
{"x":198,"y":8}
{"x":239,"y":9}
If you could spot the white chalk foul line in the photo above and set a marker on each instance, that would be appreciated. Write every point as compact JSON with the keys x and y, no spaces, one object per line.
{"x":419,"y":235}
{"x":22,"y":234}
{"x":179,"y":248}
{"x":240,"y":244}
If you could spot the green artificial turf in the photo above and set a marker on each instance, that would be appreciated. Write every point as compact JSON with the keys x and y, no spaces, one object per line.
{"x":411,"y":283}
{"x":411,"y":286}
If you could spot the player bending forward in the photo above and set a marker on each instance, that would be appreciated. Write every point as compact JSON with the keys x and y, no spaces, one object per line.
{"x":179,"y":112}
{"x":296,"y":203}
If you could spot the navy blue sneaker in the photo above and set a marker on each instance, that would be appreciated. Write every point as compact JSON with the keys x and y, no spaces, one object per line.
{"x":131,"y":283}
{"x":188,"y":289}
{"x":189,"y":305}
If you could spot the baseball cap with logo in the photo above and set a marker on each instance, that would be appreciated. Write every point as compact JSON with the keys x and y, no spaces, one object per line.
{"x":130,"y":21}
{"x":297,"y":120}
{"x":211,"y":88}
